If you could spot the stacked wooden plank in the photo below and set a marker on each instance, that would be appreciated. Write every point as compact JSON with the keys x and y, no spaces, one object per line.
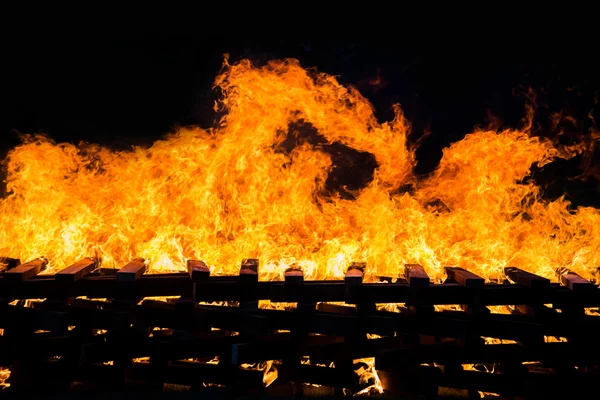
{"x":211,"y":334}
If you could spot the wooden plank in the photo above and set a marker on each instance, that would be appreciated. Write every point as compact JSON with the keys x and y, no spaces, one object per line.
{"x":185,"y":303}
{"x":277,"y":347}
{"x":198,"y":270}
{"x":294,"y":276}
{"x":416,"y":275}
{"x":464,"y":277}
{"x":77,"y":271}
{"x":573,"y":281}
{"x":132,"y":271}
{"x":352,"y":282}
{"x":382,"y":292}
{"x":309,"y":292}
{"x":17,"y":317}
{"x":107,"y":271}
{"x":575,"y":284}
{"x":171,"y":284}
{"x":186,"y":372}
{"x":8,"y":263}
{"x":355,"y":274}
{"x":249,"y":269}
{"x":535,"y":311}
{"x":249,"y":276}
{"x":419,"y":282}
{"x":178,"y":284}
{"x":475,"y":309}
{"x":390,"y":352}
{"x":461,"y":325}
{"x":534,"y":384}
{"x":359,"y":265}
{"x":318,"y":375}
{"x":471,"y":281}
{"x":175,"y":372}
{"x":422,"y":354}
{"x":214,"y":289}
{"x":526,"y":279}
{"x":26,"y":271}
{"x":416,"y":379}
{"x":336,"y":309}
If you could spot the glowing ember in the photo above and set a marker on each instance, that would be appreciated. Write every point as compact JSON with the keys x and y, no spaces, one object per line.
{"x":241,"y":190}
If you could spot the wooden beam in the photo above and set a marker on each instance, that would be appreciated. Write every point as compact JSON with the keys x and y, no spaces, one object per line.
{"x":536,"y":311}
{"x":526,"y":279}
{"x":28,"y":270}
{"x":27,"y":318}
{"x":355,"y":274}
{"x":185,"y":303}
{"x":175,"y":372}
{"x":573,"y":281}
{"x":235,"y":289}
{"x":415,"y":379}
{"x":471,"y":281}
{"x":464,"y":277}
{"x":107,"y":271}
{"x":336,"y":308}
{"x":77,"y":271}
{"x":312,"y":291}
{"x":199,"y":273}
{"x":249,"y":269}
{"x":294,"y":276}
{"x":359,"y":265}
{"x":318,"y":375}
{"x":198,"y":270}
{"x":416,"y":275}
{"x":132,"y":271}
{"x":249,"y":277}
{"x":534,"y":384}
{"x":352,"y":282}
{"x":389,"y":350}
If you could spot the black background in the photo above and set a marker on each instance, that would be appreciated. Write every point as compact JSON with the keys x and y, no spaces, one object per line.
{"x":125,"y":88}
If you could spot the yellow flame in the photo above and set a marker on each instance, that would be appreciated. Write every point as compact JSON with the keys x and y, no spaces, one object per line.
{"x":4,"y":375}
{"x":267,"y":367}
{"x":368,"y":375}
{"x":240,"y":190}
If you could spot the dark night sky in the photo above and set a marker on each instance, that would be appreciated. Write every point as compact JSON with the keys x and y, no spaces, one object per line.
{"x":124,"y":89}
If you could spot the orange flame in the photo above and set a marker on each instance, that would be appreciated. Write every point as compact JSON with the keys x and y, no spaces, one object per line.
{"x":236,"y":191}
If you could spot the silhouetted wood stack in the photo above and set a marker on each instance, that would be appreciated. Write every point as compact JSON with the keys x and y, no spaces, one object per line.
{"x":97,"y":330}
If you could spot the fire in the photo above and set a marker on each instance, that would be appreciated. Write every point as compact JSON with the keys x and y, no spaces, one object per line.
{"x":257,"y":186}
{"x":4,"y":375}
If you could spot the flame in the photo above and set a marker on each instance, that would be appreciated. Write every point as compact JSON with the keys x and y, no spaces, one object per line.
{"x":268,"y":368}
{"x":256,"y":185}
{"x":4,"y":375}
{"x":368,"y":375}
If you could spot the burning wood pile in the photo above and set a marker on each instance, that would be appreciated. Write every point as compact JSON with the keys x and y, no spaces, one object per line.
{"x":300,"y":174}
{"x":105,"y":329}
